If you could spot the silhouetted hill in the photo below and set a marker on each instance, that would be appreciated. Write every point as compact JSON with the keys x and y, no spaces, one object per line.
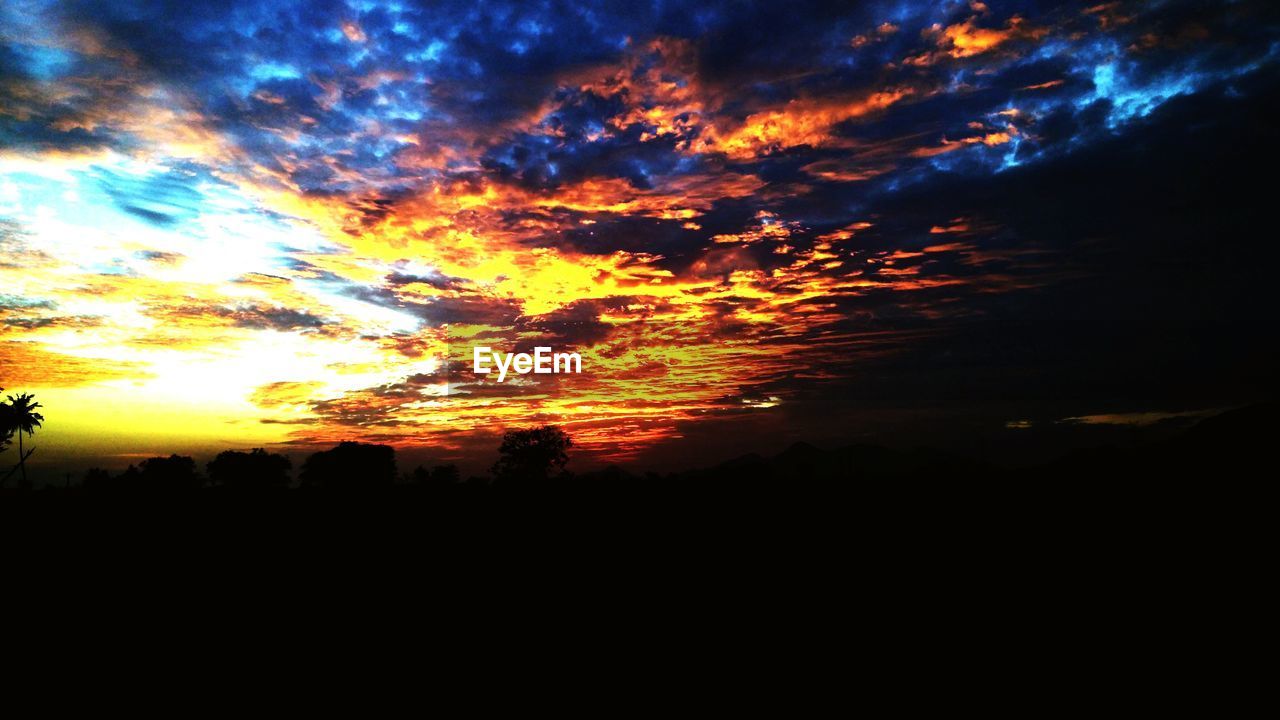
{"x":805,"y":464}
{"x":798,"y":453}
{"x":1236,"y":444}
{"x":1243,"y":429}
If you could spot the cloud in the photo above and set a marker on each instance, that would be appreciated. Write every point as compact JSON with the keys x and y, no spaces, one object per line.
{"x":28,"y":365}
{"x":717,"y":204}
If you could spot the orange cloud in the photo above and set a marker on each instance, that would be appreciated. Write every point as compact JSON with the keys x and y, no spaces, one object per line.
{"x":1044,"y":85}
{"x":882,"y":31}
{"x":25,"y":364}
{"x":805,"y":121}
{"x":990,"y":139}
{"x":967,"y":39}
{"x":353,"y":31}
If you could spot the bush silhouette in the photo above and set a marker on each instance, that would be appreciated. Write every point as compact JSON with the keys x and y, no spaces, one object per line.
{"x":256,"y":469}
{"x":351,"y":465}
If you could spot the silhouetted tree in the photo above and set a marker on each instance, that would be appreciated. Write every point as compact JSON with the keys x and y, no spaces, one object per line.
{"x":439,"y":476}
{"x":97,"y":479}
{"x":130,"y":480}
{"x":445,"y":475}
{"x":351,"y":465}
{"x":19,"y":417}
{"x":249,"y":470}
{"x":176,"y":472}
{"x":532,"y":455}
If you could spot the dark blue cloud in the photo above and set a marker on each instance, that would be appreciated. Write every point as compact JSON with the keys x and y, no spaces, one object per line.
{"x":332,"y":94}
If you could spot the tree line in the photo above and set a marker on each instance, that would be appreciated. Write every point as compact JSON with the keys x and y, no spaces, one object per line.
{"x":525,"y":455}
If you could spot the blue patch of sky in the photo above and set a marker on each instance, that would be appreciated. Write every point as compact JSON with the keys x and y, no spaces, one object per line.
{"x":45,"y":63}
{"x":265,"y":71}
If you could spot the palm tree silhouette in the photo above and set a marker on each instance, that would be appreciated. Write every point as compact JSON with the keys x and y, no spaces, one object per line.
{"x":21,"y":417}
{"x":6,"y":432}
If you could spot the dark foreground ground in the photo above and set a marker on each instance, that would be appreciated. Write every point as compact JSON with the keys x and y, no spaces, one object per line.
{"x":1098,"y":546}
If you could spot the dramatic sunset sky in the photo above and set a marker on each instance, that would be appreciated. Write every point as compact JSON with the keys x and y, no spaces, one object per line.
{"x":282,"y":224}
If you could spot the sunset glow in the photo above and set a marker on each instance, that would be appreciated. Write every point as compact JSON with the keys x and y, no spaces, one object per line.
{"x":288,"y":224}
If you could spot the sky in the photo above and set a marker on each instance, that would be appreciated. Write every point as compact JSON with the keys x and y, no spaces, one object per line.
{"x":285,"y":224}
